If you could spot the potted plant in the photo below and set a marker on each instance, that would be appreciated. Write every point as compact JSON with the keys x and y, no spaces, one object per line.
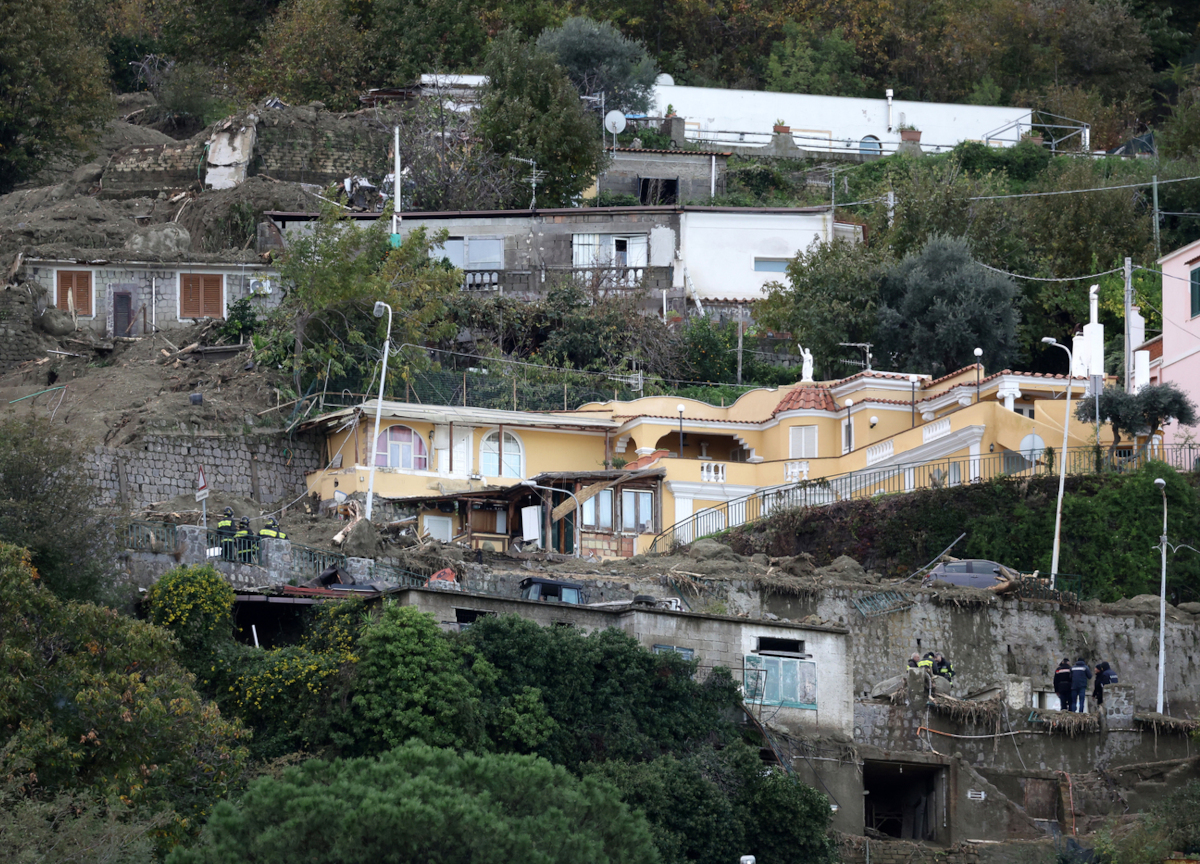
{"x":910,"y":133}
{"x":781,"y":128}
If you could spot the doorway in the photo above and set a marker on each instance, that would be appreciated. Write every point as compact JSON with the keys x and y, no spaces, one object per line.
{"x":122,"y":314}
{"x":905,"y":800}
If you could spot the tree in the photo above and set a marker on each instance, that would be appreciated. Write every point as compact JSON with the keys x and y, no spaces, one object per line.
{"x":831,"y":296}
{"x":415,"y":37}
{"x":310,"y":50}
{"x":50,"y":506}
{"x":333,"y":277}
{"x":937,"y":306}
{"x":530,"y":110}
{"x":599,"y":59}
{"x":805,"y":62}
{"x":1141,"y":413}
{"x":95,"y":702}
{"x":418,"y":803}
{"x":53,"y":87}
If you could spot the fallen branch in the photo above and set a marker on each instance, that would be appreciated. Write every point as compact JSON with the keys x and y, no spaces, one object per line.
{"x":188,"y":350}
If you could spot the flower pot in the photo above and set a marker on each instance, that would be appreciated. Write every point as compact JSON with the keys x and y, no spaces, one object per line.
{"x":782,"y":130}
{"x":910,"y":135}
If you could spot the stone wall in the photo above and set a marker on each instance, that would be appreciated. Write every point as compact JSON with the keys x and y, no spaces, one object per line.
{"x":153,"y":168}
{"x":18,"y":341}
{"x":320,"y":152}
{"x":264,"y":468}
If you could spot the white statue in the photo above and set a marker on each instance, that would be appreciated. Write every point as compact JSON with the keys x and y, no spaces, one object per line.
{"x":807,"y":369}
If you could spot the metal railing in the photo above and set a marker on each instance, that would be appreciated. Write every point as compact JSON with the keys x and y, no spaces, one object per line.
{"x":396,"y":576}
{"x":142,"y":536}
{"x":309,"y":562}
{"x":894,"y":479}
{"x":239,"y":550}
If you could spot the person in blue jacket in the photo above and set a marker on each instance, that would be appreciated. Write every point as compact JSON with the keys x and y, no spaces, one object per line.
{"x":1081,"y":674}
{"x":1105,"y":675}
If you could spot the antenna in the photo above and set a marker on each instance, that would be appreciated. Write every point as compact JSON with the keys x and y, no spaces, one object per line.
{"x":614,"y":122}
{"x":866,"y":349}
{"x":534,"y":176}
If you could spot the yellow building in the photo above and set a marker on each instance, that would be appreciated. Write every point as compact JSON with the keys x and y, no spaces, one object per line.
{"x":684,"y":468}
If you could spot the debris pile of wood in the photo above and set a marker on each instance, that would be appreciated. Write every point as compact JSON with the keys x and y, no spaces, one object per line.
{"x":983,"y":711}
{"x":1069,"y":723}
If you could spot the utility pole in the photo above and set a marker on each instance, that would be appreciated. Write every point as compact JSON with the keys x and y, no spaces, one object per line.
{"x":741,"y":326}
{"x":832,"y":204}
{"x":1157,"y":247}
{"x":1128,"y":316}
{"x":891,"y":207}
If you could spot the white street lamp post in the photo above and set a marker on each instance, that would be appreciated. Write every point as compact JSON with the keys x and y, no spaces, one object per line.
{"x":578,"y":511}
{"x":1062,"y":462}
{"x":1162,"y":600}
{"x":387,"y":347}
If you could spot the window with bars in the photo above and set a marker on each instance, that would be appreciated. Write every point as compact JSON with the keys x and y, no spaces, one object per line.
{"x":75,"y":287}
{"x":201,"y":295}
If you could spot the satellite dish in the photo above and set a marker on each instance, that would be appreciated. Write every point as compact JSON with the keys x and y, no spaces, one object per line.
{"x":614,"y":122}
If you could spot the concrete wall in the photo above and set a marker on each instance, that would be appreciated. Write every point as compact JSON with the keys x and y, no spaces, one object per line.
{"x":695,"y":172}
{"x":1180,"y":359}
{"x":166,"y":466}
{"x":1014,"y":637}
{"x":18,"y":340}
{"x":156,"y":287}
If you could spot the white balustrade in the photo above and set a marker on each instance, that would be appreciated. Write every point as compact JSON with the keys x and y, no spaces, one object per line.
{"x":878,"y":452}
{"x":712,"y":472}
{"x":935,"y":430}
{"x":794,"y":472}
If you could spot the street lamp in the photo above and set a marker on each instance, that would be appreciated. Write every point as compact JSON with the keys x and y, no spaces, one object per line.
{"x":578,"y":510}
{"x":679,"y":408}
{"x":1062,"y":461}
{"x":387,"y":347}
{"x":1162,"y":600}
{"x":978,"y":371}
{"x":912,"y":381}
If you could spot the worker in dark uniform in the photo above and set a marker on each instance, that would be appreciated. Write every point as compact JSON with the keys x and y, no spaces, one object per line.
{"x":246,"y":543}
{"x":1062,"y":684}
{"x":926,"y":662}
{"x":1081,"y":674}
{"x":1105,"y":675}
{"x":225,"y":531}
{"x":272,"y":530}
{"x":942,"y":666}
{"x":914,"y":661}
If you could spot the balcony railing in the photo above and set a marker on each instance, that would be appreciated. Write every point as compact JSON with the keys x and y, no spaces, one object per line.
{"x":893,"y":479}
{"x":309,"y":562}
{"x":239,"y":550}
{"x":143,"y":536}
{"x":712,"y":472}
{"x":597,"y":279}
{"x":878,"y":452}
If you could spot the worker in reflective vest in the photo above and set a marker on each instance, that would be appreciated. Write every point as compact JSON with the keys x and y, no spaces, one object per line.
{"x":225,"y":531}
{"x":246,"y":542}
{"x":272,"y":530}
{"x":926,"y":662}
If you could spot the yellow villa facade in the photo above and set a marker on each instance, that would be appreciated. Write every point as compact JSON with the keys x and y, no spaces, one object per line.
{"x":466,"y":473}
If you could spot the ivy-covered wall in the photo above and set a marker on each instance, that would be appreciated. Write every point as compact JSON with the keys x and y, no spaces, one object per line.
{"x":1110,"y":529}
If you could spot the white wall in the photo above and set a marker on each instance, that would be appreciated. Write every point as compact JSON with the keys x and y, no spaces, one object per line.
{"x":829,"y":122}
{"x":719,"y":249}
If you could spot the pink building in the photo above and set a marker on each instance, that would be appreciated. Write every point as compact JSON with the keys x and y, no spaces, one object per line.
{"x":1175,"y":355}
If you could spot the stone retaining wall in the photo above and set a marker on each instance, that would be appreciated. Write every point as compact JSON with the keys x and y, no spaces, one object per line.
{"x":263,"y":468}
{"x":18,"y":341}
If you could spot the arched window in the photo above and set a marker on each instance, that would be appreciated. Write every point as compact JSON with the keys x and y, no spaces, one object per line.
{"x":489,"y":456}
{"x":401,"y":447}
{"x":870,"y":146}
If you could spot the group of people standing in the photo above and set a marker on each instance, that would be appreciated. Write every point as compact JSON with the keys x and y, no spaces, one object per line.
{"x":934,"y":662}
{"x":1071,"y":681}
{"x":239,"y":542}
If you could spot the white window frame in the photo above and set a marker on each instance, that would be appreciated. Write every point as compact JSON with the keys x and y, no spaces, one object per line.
{"x":91,"y":287}
{"x":847,"y":435}
{"x":806,"y":449}
{"x":397,"y":448}
{"x":483,"y":455}
{"x":637,"y":524}
{"x":770,"y":260}
{"x":592,"y":513}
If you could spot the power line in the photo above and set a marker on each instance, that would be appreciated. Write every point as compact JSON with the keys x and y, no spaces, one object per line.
{"x":1079,"y":191}
{"x":1051,"y":278}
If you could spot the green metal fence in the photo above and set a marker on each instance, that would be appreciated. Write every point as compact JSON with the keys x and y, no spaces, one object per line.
{"x":308,"y":562}
{"x":143,"y":536}
{"x":240,"y":550}
{"x":895,"y":479}
{"x":396,"y":576}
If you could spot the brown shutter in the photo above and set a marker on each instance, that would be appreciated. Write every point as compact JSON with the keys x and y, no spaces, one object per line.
{"x":77,"y":284}
{"x":83,"y":293}
{"x":211,"y":297}
{"x":189,"y":295}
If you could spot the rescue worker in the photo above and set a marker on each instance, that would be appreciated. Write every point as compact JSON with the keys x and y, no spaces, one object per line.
{"x":246,"y":542}
{"x":1062,"y":684}
{"x":1081,"y":674}
{"x":914,"y":661}
{"x":272,"y":530}
{"x":942,"y":666}
{"x":1105,"y":675}
{"x":225,"y":531}
{"x":926,"y":662}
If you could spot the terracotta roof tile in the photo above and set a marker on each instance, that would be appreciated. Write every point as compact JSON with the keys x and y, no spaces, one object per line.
{"x":806,"y":398}
{"x":645,"y":461}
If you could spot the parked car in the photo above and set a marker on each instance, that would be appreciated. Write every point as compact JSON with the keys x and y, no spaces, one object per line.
{"x":970,"y":572}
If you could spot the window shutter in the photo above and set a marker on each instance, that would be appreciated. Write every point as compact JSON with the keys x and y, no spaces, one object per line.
{"x":77,"y":286}
{"x":803,"y":442}
{"x":189,"y":295}
{"x":211,"y":305}
{"x":83,"y":293}
{"x":1195,"y":292}
{"x":66,"y":283}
